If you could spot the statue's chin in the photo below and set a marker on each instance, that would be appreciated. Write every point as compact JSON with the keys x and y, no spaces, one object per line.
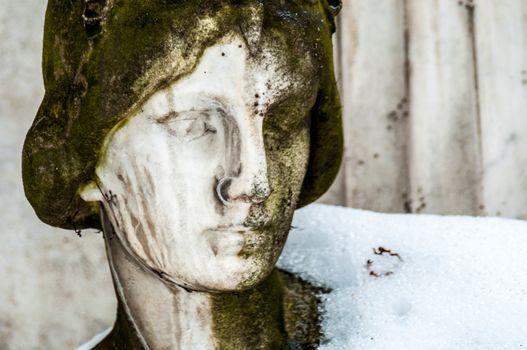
{"x":226,"y":274}
{"x":226,"y":259}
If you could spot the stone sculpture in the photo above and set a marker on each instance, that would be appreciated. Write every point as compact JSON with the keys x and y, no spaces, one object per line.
{"x":189,"y":131}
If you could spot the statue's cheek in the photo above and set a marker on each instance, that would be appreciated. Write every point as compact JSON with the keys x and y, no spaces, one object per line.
{"x":287,"y":165}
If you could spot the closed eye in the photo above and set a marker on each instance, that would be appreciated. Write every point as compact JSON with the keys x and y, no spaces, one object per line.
{"x":188,"y":126}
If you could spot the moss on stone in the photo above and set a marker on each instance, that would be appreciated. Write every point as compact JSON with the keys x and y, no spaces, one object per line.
{"x":123,"y":335}
{"x":252,"y":319}
{"x":280,"y":313}
{"x":302,"y":318}
{"x":95,"y":78}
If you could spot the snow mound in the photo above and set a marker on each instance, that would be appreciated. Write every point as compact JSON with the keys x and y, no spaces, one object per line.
{"x":402,"y":281}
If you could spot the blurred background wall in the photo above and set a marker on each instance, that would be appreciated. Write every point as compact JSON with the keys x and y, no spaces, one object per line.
{"x":435,"y":106}
{"x":435,"y":116}
{"x":55,"y":288}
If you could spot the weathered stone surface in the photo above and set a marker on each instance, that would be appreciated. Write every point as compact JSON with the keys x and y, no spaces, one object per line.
{"x":251,"y":319}
{"x":129,"y":114}
{"x":104,"y":60}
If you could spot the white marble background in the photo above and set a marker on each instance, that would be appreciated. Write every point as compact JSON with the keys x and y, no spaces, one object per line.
{"x":462,"y":147}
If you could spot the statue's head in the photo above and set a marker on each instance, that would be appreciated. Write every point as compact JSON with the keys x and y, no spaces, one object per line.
{"x":195,"y":130}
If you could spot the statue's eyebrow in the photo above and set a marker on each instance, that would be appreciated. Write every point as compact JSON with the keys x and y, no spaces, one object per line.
{"x":203,"y":103}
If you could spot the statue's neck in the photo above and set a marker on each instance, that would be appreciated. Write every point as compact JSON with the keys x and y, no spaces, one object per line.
{"x":153,"y":315}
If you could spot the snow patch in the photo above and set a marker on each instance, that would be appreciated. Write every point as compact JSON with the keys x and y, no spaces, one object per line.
{"x":95,"y":340}
{"x":402,"y":281}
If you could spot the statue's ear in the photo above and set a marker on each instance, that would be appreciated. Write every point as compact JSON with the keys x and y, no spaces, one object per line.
{"x":332,"y":8}
{"x":91,"y":193}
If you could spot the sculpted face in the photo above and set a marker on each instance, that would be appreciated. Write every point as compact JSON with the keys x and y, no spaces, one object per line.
{"x":200,"y":182}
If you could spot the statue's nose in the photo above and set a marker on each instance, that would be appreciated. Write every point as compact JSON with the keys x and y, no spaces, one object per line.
{"x":237,"y":189}
{"x":249,"y":182}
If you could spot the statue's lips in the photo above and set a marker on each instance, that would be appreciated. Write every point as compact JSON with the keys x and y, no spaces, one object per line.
{"x":227,"y":240}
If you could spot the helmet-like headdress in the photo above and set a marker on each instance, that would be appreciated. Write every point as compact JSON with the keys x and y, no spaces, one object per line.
{"x":103,"y":58}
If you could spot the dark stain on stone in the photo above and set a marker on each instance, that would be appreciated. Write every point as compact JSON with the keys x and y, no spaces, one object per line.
{"x":393,"y":116}
{"x":407,"y":206}
{"x":422,"y":204}
{"x":468,"y":4}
